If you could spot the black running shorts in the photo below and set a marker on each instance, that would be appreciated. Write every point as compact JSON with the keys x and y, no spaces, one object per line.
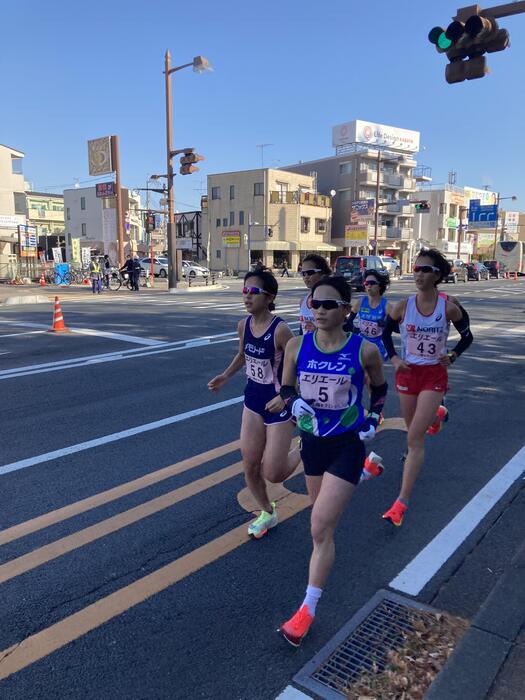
{"x":342,"y":455}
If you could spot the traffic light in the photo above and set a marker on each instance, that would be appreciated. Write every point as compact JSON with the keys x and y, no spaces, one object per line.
{"x":422,"y":207}
{"x":187,"y":160}
{"x":149,"y":222}
{"x":465,"y":41}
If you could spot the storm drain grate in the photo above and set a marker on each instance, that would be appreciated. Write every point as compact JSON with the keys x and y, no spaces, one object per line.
{"x":362,"y":644}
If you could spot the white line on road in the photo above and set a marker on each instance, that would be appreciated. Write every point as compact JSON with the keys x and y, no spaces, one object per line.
{"x":114,"y":437}
{"x":14,"y":335}
{"x":291,"y":693}
{"x":91,"y":331}
{"x":429,"y":561}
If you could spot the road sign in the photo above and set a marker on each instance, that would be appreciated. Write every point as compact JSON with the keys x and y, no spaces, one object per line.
{"x":27,"y":241}
{"x":483,"y":216}
{"x":105,"y":189}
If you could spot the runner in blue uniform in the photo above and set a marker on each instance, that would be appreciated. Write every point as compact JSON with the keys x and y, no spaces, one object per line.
{"x":369,"y":313}
{"x":266,"y":429}
{"x":328,"y":368}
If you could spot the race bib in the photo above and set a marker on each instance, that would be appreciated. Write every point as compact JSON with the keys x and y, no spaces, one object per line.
{"x":370,"y":329}
{"x":259,"y":370}
{"x":326,"y":391}
{"x":428,"y":346}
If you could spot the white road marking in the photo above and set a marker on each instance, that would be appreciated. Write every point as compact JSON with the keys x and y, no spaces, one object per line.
{"x":114,"y":437}
{"x":414,"y":577}
{"x":291,"y":693}
{"x":94,"y":332}
{"x":14,"y":335}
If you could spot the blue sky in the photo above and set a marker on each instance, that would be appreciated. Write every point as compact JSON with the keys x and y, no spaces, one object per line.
{"x":284,"y":74}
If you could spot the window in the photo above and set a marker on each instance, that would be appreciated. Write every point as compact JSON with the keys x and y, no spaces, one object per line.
{"x":241,"y":218}
{"x":217,"y":222}
{"x":443,"y":208}
{"x":232,"y":191}
{"x":232,"y":218}
{"x":453,"y":210}
{"x":320,"y":225}
{"x":344,"y":195}
{"x":258,"y":188}
{"x":215,"y":192}
{"x":68,"y":214}
{"x":305,"y":224}
{"x":16,"y":165}
{"x":83,"y":203}
{"x":283,"y":191}
{"x":84,"y":229}
{"x":225,"y":222}
{"x":20,"y":202}
{"x":218,"y":253}
{"x":345,"y":168}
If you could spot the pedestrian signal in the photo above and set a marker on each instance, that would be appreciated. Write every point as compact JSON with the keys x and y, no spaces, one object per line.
{"x":187,"y":161}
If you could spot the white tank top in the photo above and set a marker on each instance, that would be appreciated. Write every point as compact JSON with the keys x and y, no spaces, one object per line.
{"x":424,"y":338}
{"x":306,"y":316}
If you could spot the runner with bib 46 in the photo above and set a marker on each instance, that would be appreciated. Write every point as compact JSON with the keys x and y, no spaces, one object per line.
{"x":421,"y":371}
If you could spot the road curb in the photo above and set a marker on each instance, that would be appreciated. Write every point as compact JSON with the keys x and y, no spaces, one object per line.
{"x":473,"y":667}
{"x":26,"y":299}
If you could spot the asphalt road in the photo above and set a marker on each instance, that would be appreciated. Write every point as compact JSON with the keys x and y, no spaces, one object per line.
{"x":150,"y":589}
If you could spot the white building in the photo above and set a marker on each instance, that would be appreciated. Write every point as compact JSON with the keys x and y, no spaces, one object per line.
{"x":12,"y":206}
{"x":93,"y":220}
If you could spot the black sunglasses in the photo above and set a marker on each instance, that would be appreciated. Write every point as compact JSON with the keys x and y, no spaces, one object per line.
{"x":309,"y":273}
{"x":327,"y":304}
{"x":425,"y":268}
{"x":370,"y":283}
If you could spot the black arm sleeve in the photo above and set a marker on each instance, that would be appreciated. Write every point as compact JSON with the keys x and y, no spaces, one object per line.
{"x":377,"y":398}
{"x":349,"y":323}
{"x":390,"y":326}
{"x":288,"y":393}
{"x":463,"y":328}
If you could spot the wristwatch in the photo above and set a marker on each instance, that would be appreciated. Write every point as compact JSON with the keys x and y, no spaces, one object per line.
{"x":452,"y":356}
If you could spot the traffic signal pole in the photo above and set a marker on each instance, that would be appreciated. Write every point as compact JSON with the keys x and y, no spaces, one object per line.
{"x":173,"y":263}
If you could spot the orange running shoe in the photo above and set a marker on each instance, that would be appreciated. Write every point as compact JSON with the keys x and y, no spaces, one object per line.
{"x":296,"y":629}
{"x":373,"y":467}
{"x":441,"y":417}
{"x":396,"y":513}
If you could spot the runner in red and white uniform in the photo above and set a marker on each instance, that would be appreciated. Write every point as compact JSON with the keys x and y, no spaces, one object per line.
{"x":421,"y":371}
{"x":313,"y":269}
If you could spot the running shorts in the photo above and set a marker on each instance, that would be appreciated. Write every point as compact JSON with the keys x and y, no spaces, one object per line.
{"x":256,"y":404}
{"x":422,"y":378}
{"x":342,"y":455}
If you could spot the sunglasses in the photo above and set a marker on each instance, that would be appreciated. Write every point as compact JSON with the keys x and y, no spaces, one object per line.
{"x":327,"y":304}
{"x":370,"y":283}
{"x":253,"y":290}
{"x":425,"y":268}
{"x":309,"y":273}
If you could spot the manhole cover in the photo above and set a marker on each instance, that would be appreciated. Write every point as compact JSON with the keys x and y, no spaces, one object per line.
{"x":363,"y":644}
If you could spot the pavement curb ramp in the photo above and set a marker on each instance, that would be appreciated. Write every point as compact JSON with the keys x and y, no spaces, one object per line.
{"x":26,"y":299}
{"x":478,"y":658}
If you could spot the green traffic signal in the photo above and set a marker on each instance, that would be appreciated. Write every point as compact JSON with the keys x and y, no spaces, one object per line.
{"x":438,"y":37}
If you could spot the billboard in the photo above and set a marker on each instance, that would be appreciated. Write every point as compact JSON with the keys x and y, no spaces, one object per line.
{"x":106,"y":189}
{"x":362,"y":210}
{"x":231,"y":239}
{"x":375,"y":135}
{"x":99,"y":156}
{"x":512,"y":221}
{"x":28,"y":241}
{"x":356,"y":235}
{"x":485,"y":197}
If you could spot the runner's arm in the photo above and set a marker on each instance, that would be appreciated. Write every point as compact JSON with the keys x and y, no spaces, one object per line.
{"x":289,"y":381}
{"x":460,"y":319}
{"x":283,"y":335}
{"x":235,"y":365}
{"x":349,"y":323}
{"x":373,"y":363}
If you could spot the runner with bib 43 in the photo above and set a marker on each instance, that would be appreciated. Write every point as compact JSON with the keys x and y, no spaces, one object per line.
{"x":421,"y":371}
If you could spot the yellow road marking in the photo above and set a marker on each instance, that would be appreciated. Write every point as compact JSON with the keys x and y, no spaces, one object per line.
{"x":99,"y":499}
{"x":39,"y":645}
{"x":56,"y":549}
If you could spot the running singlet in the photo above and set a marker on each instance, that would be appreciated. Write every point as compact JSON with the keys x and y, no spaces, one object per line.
{"x":264,"y":365}
{"x":424,"y":338}
{"x":306,"y":317}
{"x":333,"y":385}
{"x":371,"y":323}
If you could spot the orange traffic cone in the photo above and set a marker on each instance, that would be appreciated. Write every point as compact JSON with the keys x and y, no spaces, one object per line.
{"x":42,"y":280}
{"x":58,"y":320}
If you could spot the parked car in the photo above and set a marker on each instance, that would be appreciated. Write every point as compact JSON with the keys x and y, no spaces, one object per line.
{"x":352,"y":268}
{"x":160,"y":266}
{"x":392,"y":265}
{"x":193,"y":269}
{"x":477,"y":271}
{"x":458,"y":272}
{"x":494,"y":267}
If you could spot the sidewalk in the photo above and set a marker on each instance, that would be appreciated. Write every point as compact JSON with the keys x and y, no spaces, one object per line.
{"x":489,"y":662}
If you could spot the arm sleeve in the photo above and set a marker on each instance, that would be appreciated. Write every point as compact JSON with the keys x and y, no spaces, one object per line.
{"x":288,"y":393}
{"x":377,"y":398}
{"x":390,"y":326}
{"x":463,"y":328}
{"x":349,"y":323}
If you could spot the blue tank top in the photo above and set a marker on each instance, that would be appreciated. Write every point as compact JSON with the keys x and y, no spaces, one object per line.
{"x":333,"y":383}
{"x":264,"y":365}
{"x":371,"y":322}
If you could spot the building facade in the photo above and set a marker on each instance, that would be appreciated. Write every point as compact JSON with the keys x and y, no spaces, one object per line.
{"x":371,"y":162}
{"x":46,"y":212}
{"x":265,"y":214}
{"x":12,"y":207}
{"x":93,"y":220}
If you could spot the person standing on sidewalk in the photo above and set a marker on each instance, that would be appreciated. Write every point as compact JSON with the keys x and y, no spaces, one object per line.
{"x":266,"y":428}
{"x":106,"y":270}
{"x":127,"y":268}
{"x":285,"y":269}
{"x":94,"y":269}
{"x":329,"y":367}
{"x":136,"y":268}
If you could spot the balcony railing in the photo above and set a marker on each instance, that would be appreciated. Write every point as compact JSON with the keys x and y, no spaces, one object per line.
{"x":398,"y":233}
{"x":316,"y":200}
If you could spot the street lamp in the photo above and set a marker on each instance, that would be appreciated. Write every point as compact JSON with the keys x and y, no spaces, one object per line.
{"x":514,"y":198}
{"x":199,"y":65}
{"x":250,"y":224}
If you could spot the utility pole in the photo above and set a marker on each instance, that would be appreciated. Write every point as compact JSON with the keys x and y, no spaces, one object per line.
{"x":262,"y":146}
{"x":115,"y":156}
{"x":173,"y":262}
